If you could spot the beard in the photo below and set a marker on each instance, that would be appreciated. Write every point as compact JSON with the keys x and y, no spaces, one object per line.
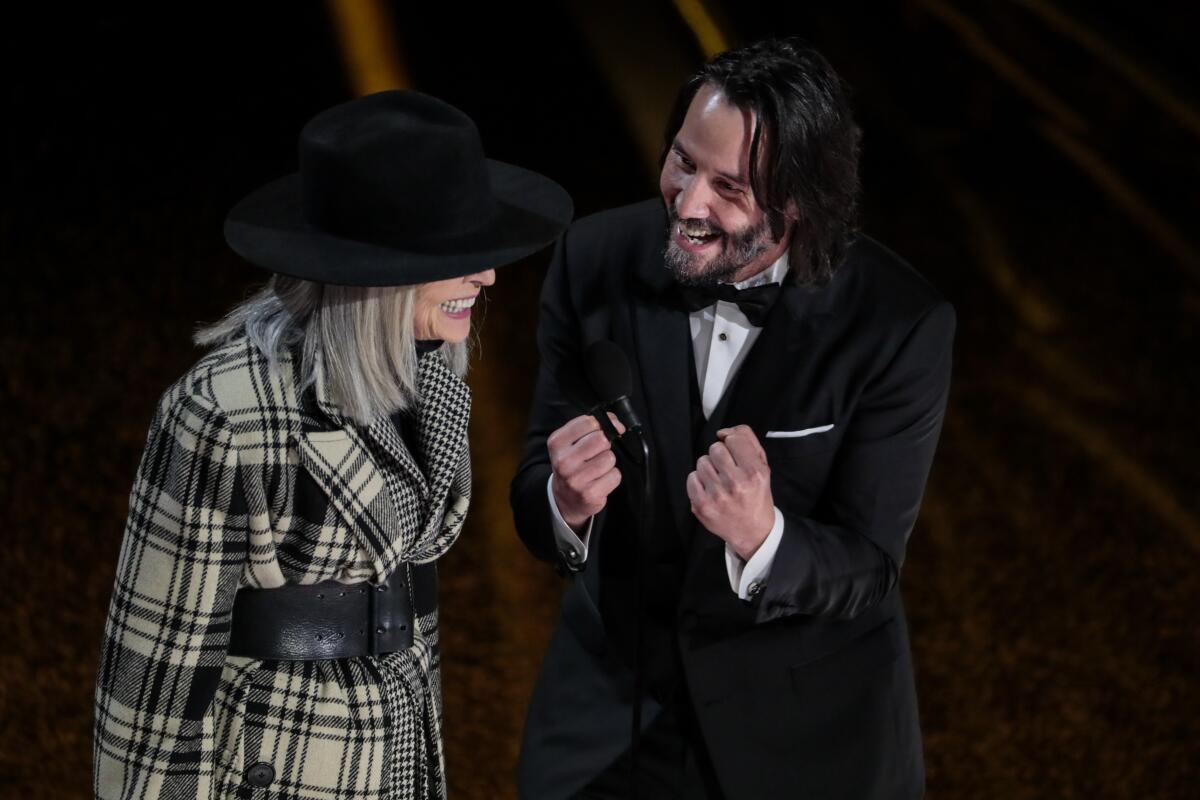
{"x":738,"y":248}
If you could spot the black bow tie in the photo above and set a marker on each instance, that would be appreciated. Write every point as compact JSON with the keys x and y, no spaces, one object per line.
{"x":754,"y":302}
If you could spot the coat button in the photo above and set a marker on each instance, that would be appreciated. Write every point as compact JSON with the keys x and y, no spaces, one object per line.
{"x":572,"y":555}
{"x":755,"y":588}
{"x":260,"y":775}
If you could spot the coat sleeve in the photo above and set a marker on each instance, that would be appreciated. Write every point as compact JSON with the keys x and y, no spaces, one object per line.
{"x":558,"y":340}
{"x":167,"y":631}
{"x":846,"y":557}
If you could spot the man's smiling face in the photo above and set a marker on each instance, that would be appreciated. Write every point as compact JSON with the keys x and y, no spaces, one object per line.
{"x":718,"y":232}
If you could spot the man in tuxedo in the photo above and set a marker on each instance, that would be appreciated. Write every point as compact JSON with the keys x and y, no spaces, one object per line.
{"x":792,"y":376}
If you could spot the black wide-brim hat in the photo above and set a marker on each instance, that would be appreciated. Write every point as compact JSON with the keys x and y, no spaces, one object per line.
{"x":394,"y":189}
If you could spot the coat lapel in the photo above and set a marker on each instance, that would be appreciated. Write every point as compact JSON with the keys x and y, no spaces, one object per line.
{"x":377,"y":485}
{"x":763,"y":381}
{"x":662,"y":341}
{"x":441,"y":446}
{"x":383,"y":433}
{"x":340,"y":463}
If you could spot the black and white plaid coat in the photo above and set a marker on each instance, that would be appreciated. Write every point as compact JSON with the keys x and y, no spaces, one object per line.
{"x":244,"y":483}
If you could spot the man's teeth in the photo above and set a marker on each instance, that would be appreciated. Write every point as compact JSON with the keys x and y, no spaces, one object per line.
{"x":455,"y":306}
{"x":697,"y":234}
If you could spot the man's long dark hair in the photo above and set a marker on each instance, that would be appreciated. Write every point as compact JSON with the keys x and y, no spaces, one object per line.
{"x":804,"y":147}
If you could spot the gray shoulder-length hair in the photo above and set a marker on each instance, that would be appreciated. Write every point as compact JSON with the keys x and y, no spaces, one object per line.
{"x":363,"y":337}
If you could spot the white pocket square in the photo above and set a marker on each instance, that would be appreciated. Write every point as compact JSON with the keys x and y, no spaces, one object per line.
{"x":798,"y":434}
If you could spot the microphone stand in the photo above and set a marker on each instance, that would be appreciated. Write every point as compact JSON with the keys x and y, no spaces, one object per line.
{"x":639,"y":456}
{"x":639,"y":681}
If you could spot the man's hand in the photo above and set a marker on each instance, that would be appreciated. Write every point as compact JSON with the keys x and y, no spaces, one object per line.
{"x":730,"y":490}
{"x":585,"y":468}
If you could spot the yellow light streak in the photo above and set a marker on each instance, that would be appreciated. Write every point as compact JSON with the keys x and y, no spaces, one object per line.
{"x":367,"y":41}
{"x":1034,"y":311}
{"x":1004,"y":66}
{"x":704,"y":26}
{"x":1138,"y":209}
{"x":1126,"y":470}
{"x":1107,"y":53}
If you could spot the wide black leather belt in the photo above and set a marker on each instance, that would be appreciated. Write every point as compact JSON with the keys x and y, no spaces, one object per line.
{"x":331,"y":619}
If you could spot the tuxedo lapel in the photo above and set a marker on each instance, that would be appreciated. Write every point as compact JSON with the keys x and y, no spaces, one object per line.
{"x":764,"y":379}
{"x":662,"y":342}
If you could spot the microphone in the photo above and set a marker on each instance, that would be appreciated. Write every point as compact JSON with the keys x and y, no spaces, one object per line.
{"x":609,"y":375}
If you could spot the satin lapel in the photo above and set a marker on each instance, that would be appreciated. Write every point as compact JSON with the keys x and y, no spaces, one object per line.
{"x":763,"y":379}
{"x":771,"y":365}
{"x":662,"y":341}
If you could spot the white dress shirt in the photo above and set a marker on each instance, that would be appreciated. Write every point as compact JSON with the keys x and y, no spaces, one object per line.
{"x":721,"y":338}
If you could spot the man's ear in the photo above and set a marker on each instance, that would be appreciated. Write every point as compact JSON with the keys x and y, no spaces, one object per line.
{"x":791,"y":212}
{"x":790,"y":216}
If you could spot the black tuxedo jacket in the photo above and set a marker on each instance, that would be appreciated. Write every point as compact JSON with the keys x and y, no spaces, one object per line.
{"x":807,"y":690}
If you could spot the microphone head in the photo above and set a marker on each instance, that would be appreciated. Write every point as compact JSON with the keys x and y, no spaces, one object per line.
{"x":607,"y":370}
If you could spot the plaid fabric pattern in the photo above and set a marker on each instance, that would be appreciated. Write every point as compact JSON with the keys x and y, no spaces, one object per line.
{"x":244,"y":483}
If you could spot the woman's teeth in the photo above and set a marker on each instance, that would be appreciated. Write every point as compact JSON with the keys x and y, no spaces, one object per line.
{"x":455,"y":306}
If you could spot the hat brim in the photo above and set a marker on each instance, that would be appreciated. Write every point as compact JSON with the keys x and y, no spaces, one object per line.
{"x":268,"y":229}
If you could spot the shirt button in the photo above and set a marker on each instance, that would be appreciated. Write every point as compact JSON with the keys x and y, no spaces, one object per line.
{"x":572,"y":555}
{"x":755,"y":588}
{"x":722,"y":336}
{"x":260,"y":775}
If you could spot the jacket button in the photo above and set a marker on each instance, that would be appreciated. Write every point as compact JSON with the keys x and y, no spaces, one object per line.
{"x":755,"y":588}
{"x":260,"y":775}
{"x":572,"y":555}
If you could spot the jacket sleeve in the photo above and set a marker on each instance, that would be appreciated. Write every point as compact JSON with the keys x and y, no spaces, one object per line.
{"x":167,"y":631}
{"x":846,"y":556}
{"x":558,"y":340}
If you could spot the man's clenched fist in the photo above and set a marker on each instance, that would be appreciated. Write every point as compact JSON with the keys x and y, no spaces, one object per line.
{"x":730,"y":490}
{"x":585,"y":468}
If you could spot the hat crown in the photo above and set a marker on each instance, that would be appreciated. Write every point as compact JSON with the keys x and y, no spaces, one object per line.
{"x":394,"y":190}
{"x":395,"y":168}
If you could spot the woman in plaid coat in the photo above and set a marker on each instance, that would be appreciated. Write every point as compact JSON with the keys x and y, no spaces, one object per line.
{"x":315,"y":457}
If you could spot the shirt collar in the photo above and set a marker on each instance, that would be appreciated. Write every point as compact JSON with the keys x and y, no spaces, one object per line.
{"x":772,"y":274}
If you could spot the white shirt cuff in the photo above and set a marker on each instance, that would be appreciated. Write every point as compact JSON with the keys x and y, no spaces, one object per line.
{"x":568,"y":542}
{"x":744,"y":574}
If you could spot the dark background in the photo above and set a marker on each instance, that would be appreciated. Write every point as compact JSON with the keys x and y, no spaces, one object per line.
{"x":1037,"y":161}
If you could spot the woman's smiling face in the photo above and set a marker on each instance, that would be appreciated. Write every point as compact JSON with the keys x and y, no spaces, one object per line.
{"x":442,"y":309}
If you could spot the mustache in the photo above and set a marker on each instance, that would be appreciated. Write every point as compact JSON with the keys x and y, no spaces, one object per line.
{"x":698,"y":226}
